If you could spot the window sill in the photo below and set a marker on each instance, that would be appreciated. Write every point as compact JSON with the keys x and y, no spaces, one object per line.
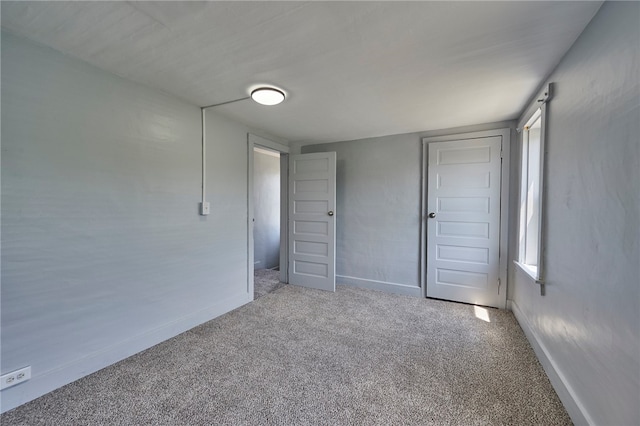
{"x":531,"y":271}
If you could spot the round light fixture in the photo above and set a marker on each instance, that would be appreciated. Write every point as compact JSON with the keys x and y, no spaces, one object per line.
{"x":267,"y":96}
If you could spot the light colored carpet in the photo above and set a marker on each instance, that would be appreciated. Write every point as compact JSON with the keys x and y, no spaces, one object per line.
{"x":265,"y":281}
{"x":306,"y":357}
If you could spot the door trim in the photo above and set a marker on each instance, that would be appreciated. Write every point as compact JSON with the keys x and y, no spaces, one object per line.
{"x":505,"y":133}
{"x":254,"y":141}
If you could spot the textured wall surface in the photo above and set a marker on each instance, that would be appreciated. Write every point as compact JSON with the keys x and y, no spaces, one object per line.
{"x":103,"y":250}
{"x":589,"y":319}
{"x":266,"y":210}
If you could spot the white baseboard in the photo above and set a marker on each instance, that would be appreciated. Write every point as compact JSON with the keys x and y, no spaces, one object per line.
{"x":48,"y":381}
{"x":387,"y":287}
{"x":574,"y":407}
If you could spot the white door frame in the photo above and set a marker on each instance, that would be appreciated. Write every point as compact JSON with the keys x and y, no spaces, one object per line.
{"x":258,"y":141}
{"x":504,"y":200}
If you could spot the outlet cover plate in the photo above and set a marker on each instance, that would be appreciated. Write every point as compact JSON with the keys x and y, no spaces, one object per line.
{"x":15,"y":377}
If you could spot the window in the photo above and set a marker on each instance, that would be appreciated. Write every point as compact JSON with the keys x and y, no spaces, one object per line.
{"x":530,"y":244}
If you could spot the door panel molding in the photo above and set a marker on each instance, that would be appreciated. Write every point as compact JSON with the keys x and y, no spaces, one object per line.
{"x":477,"y":204}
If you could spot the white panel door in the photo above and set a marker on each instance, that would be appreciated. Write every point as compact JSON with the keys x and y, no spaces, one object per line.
{"x":312,"y":223}
{"x":463,"y":221}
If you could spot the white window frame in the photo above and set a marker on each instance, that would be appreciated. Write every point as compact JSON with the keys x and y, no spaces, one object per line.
{"x":537,"y":110}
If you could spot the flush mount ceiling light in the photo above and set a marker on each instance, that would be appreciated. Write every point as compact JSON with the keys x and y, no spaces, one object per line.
{"x":267,"y":95}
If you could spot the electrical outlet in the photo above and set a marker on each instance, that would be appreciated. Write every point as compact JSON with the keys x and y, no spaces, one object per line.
{"x":205,"y":208}
{"x":15,"y":377}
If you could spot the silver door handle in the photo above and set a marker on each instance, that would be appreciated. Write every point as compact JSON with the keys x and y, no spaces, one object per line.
{"x":432,"y":215}
{"x":330,"y":213}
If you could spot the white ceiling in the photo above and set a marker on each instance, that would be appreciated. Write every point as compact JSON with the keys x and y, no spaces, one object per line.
{"x":350,"y":69}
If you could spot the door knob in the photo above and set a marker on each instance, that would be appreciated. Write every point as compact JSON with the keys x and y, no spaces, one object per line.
{"x":432,"y":215}
{"x":330,"y":213}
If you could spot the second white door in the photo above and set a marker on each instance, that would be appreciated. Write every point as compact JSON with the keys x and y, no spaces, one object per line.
{"x":312,"y":226}
{"x":463,"y":221}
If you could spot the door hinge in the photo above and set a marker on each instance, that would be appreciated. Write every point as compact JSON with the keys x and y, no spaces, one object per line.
{"x":499,"y":285}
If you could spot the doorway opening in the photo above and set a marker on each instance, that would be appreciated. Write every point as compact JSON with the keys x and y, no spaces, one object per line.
{"x":266,"y":221}
{"x":267,"y":238}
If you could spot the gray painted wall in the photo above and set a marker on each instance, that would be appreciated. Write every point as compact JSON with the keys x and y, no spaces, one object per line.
{"x":588,"y":323}
{"x":103,"y":250}
{"x":266,"y":210}
{"x":378,"y":208}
